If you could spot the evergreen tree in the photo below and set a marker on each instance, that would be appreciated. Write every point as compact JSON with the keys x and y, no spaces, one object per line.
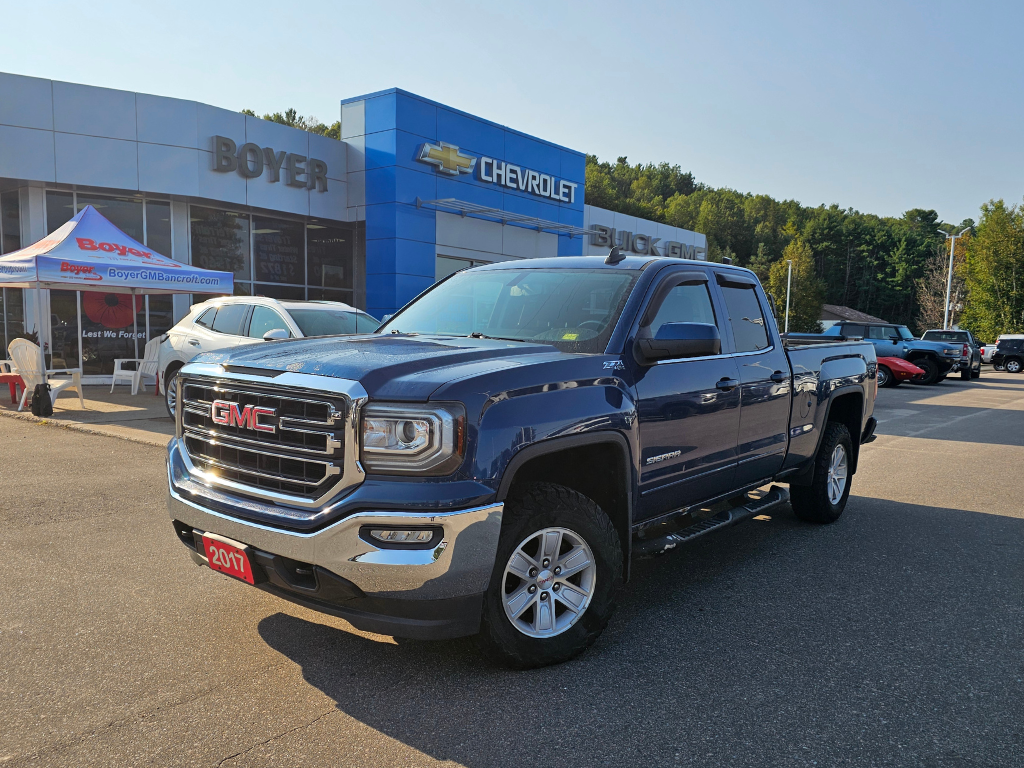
{"x":807,"y":292}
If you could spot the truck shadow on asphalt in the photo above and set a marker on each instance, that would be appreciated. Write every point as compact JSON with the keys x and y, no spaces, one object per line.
{"x":893,"y":631}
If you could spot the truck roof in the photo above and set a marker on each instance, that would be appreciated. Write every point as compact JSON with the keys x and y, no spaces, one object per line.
{"x":597,"y":262}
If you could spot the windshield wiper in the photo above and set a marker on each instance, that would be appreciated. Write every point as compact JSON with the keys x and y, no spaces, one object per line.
{"x":478,"y":335}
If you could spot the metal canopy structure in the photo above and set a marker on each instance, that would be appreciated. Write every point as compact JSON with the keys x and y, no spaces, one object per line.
{"x":475,"y":210}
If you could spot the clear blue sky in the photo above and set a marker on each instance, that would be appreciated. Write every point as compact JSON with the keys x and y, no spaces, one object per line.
{"x":878,"y":106}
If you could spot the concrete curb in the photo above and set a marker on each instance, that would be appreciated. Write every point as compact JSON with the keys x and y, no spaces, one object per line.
{"x":158,"y":441}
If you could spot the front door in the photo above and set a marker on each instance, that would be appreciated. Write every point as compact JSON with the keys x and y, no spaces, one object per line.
{"x":765,"y":386}
{"x":688,"y":408}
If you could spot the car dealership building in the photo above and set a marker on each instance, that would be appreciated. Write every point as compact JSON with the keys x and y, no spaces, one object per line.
{"x":413,"y":191}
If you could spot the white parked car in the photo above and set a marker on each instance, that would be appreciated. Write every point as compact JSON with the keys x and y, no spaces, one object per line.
{"x":230,"y":321}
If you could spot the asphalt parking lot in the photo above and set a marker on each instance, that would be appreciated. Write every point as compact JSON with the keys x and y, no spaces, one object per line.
{"x":893,"y":637}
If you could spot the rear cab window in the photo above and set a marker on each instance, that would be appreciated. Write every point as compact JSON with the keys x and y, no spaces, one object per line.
{"x":749,"y":330}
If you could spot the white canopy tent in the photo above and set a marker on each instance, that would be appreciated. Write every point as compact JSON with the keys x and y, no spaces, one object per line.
{"x":91,"y":254}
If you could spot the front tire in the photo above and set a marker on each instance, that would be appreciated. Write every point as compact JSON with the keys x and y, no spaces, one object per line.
{"x":885,"y":377}
{"x":931,"y":371}
{"x":171,"y":390}
{"x":824,"y":500}
{"x":976,"y":373}
{"x":556,"y":574}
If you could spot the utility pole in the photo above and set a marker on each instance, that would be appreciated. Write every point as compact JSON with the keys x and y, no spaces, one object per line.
{"x":949,"y":275}
{"x":789,"y":284}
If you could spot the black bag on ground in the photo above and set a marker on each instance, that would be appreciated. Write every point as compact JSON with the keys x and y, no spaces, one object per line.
{"x":42,"y":405}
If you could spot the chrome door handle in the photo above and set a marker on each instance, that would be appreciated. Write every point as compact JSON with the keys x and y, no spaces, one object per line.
{"x":778,"y":377}
{"x":727,"y":384}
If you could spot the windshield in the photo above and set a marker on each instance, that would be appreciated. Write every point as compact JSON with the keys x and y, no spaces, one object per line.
{"x":904,"y":333}
{"x":332,"y":322}
{"x":945,"y":336}
{"x":573,"y":309}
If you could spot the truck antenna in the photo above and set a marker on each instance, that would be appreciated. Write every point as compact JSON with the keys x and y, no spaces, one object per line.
{"x":615,"y":255}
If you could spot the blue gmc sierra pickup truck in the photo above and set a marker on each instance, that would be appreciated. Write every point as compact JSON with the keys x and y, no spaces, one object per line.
{"x":489,"y":461}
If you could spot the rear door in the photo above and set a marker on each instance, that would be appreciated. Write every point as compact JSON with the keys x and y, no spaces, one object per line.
{"x":688,"y":408}
{"x":765,"y":386}
{"x":222,"y":330}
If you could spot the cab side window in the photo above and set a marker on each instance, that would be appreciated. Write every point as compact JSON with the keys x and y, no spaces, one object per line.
{"x":687,"y":303}
{"x":879,"y":333}
{"x":229,"y":319}
{"x":748,"y":324}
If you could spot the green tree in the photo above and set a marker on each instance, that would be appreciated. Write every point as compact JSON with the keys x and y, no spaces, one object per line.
{"x":294,"y":120}
{"x":807,"y":293}
{"x":994,"y":272}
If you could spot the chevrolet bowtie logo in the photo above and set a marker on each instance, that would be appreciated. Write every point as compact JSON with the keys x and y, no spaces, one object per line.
{"x":447,"y":158}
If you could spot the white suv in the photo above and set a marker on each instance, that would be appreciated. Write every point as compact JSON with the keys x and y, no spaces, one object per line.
{"x":234,"y":320}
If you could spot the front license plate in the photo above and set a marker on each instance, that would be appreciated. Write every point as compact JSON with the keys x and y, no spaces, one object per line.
{"x":228,"y":557}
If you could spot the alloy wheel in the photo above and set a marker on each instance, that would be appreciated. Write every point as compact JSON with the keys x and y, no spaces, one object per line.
{"x":1012,"y":366}
{"x":837,"y":470}
{"x":883,"y":376}
{"x":548,"y":582}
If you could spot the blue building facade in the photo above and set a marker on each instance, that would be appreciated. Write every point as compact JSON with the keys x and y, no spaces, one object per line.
{"x":414,"y":191}
{"x":412,"y":153}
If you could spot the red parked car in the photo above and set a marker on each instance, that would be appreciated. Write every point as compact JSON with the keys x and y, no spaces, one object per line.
{"x":893,"y":371}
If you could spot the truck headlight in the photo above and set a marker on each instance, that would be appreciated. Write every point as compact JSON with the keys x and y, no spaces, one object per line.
{"x":413,"y":439}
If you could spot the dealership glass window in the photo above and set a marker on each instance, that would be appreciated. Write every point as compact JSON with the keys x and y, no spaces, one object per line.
{"x":12,"y":313}
{"x":446,"y":265}
{"x":64,"y":329}
{"x":60,"y":209}
{"x":278,"y":250}
{"x":220,"y":240}
{"x":281,"y":292}
{"x":125,"y":213}
{"x":107,"y":330}
{"x":158,"y":227}
{"x":331,"y":263}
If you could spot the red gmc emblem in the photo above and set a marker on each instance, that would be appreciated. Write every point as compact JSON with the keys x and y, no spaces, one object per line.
{"x":228,"y":414}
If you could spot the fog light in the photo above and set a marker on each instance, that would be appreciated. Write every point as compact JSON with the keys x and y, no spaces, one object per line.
{"x":396,"y":536}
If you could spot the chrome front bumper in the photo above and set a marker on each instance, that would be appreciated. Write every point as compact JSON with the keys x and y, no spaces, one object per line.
{"x":459,"y":566}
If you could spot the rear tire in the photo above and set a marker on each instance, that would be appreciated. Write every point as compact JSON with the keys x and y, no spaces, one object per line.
{"x":824,"y":500}
{"x":540,"y":635}
{"x":1012,"y":365}
{"x":931,"y":371}
{"x":966,"y":374}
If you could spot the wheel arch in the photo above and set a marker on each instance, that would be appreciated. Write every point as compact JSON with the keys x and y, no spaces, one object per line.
{"x":598,"y":465}
{"x":846,"y":405}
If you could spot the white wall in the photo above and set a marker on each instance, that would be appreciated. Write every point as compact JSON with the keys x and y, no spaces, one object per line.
{"x":57,"y":132}
{"x":593,"y":216}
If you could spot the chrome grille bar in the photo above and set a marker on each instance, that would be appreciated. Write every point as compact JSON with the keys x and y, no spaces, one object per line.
{"x":311,"y":454}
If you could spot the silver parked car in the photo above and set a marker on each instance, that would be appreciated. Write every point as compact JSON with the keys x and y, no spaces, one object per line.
{"x":231,"y":321}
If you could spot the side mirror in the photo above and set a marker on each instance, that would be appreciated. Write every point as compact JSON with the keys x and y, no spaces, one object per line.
{"x":274,"y":334}
{"x":679,"y":340}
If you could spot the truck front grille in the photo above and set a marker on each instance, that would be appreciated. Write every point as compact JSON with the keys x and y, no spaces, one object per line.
{"x":269,"y":440}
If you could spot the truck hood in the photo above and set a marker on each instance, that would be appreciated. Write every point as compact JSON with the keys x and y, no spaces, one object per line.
{"x":390,"y":367}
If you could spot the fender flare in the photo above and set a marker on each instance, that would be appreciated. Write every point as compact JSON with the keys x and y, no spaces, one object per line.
{"x":557,"y":444}
{"x":803,"y":477}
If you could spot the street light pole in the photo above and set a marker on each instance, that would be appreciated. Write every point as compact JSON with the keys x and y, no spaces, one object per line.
{"x":949,"y":275}
{"x":789,"y":283}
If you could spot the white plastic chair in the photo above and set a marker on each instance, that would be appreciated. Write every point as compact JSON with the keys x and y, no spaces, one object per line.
{"x":25,"y":356}
{"x":6,"y":366}
{"x":147,"y":366}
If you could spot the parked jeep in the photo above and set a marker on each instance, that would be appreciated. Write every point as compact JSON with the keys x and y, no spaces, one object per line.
{"x":936,"y":359}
